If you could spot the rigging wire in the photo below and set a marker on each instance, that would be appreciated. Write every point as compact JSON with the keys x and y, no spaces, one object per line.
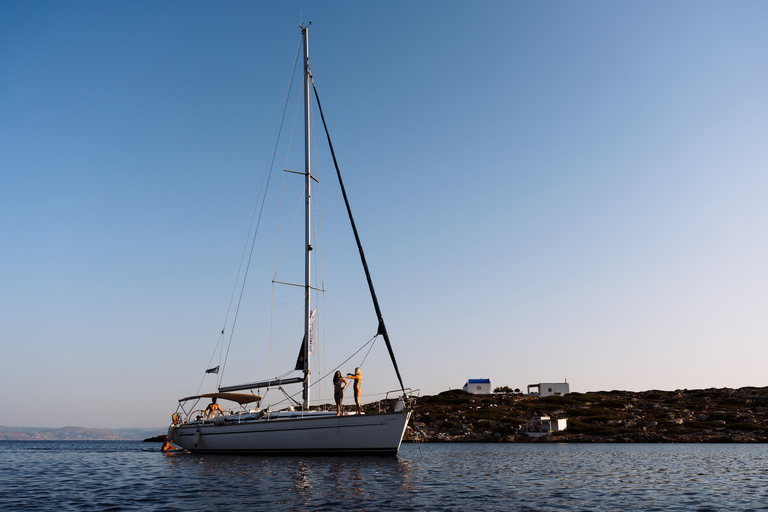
{"x":382,"y":328}
{"x":264,"y":187}
{"x":251,"y":238}
{"x":369,"y":351}
{"x":216,"y":348}
{"x":371,"y":341}
{"x":319,"y":275}
{"x":278,"y":260}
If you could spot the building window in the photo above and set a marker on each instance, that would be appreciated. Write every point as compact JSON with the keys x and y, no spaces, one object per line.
{"x":479,"y":388}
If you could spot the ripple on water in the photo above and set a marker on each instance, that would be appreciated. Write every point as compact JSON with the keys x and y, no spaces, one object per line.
{"x":124,"y":476}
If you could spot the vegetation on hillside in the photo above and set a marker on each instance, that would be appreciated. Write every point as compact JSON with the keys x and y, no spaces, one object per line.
{"x":704,"y":415}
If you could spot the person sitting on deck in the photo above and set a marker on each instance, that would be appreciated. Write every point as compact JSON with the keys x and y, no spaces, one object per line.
{"x":212,"y":409}
{"x":357,"y":377}
{"x":339,"y":383}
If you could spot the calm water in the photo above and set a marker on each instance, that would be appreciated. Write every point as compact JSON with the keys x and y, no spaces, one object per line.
{"x":116,"y":476}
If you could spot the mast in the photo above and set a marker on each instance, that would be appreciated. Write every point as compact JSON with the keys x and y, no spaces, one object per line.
{"x":307,"y":218}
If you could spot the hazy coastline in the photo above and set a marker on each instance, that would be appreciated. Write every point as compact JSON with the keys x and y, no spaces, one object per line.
{"x":698,"y":415}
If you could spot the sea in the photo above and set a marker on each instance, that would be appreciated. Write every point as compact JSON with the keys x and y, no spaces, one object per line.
{"x":131,"y":475}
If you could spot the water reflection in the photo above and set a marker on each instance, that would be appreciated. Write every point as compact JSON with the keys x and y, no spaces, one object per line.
{"x":569,"y":478}
{"x":295,"y":482}
{"x":301,"y":479}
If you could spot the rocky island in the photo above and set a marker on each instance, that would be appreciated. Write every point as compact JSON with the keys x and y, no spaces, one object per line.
{"x":683,"y":416}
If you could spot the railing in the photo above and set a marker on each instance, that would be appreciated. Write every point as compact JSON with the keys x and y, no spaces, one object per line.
{"x":197,"y":416}
{"x":408,"y":397}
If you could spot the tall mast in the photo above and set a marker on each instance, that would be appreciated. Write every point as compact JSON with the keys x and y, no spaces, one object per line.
{"x":307,"y":218}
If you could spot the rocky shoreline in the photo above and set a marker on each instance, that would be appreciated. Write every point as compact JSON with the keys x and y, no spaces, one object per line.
{"x":683,"y":416}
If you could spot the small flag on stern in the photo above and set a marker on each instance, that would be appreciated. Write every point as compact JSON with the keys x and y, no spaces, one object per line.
{"x":212,"y":370}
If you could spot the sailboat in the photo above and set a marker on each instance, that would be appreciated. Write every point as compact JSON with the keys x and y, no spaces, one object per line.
{"x":295,"y":430}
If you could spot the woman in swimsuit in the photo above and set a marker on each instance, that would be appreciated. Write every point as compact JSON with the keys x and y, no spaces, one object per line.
{"x":339,"y":383}
{"x":167,"y":446}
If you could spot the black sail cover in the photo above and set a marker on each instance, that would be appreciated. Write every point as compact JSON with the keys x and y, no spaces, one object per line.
{"x":300,"y":359}
{"x":382,"y":330}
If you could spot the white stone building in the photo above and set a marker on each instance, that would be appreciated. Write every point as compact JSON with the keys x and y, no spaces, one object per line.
{"x":478,"y":386}
{"x":549,"y":389}
{"x":544,"y":426}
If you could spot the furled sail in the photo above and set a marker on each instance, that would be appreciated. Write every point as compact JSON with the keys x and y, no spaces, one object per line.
{"x":300,"y":359}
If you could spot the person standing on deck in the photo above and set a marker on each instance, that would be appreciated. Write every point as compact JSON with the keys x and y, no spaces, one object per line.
{"x":339,"y":383}
{"x":357,"y":377}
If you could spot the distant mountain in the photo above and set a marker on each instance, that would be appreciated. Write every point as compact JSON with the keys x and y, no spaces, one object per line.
{"x":76,"y":434}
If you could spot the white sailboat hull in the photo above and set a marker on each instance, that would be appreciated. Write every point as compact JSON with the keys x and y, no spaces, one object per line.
{"x":308,"y":433}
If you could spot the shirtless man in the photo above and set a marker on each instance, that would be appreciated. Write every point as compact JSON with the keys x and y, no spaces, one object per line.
{"x":212,"y":409}
{"x":357,"y":377}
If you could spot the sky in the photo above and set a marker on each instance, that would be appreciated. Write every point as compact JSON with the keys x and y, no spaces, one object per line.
{"x":544,"y":190}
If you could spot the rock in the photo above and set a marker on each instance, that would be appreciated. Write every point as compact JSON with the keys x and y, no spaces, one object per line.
{"x":498,"y":418}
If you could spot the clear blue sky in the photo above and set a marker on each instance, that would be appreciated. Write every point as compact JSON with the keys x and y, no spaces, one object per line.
{"x":545,"y":190}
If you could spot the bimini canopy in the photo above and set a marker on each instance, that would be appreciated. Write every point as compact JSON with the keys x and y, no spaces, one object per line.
{"x":241,"y":398}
